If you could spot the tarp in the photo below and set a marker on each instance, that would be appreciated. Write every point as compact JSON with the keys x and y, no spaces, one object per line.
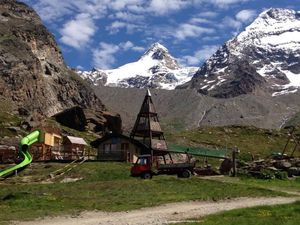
{"x":200,"y":151}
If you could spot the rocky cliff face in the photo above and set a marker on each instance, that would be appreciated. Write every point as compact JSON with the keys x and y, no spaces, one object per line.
{"x":33,"y":75}
{"x":32,"y":71}
{"x":264,"y":58}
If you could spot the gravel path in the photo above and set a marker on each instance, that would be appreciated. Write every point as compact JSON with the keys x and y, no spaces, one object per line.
{"x":165,"y":214}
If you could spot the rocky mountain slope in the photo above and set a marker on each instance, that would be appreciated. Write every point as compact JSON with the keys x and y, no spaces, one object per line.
{"x":155,"y":69}
{"x":186,"y":108}
{"x":34,"y":79}
{"x":263,"y":59}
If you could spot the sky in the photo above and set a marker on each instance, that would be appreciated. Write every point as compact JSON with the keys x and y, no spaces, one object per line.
{"x":106,"y":34}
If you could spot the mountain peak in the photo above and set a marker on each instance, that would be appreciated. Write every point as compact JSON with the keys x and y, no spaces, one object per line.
{"x":269,"y":52}
{"x":279,"y":13}
{"x":156,"y":51}
{"x":273,"y":19}
{"x":155,"y":69}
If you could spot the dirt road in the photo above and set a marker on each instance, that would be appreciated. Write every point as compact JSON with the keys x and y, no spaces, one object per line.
{"x":165,"y":214}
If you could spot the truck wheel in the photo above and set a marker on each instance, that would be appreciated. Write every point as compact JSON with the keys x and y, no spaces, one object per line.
{"x":146,"y":176}
{"x":185,"y":174}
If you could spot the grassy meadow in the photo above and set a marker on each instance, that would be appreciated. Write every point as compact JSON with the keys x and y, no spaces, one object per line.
{"x":104,"y":186}
{"x":288,"y":214}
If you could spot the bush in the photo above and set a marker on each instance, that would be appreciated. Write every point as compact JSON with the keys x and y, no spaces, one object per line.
{"x":267,"y":174}
{"x":281,"y":175}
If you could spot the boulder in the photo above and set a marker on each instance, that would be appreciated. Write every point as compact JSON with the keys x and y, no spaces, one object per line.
{"x":89,"y":120}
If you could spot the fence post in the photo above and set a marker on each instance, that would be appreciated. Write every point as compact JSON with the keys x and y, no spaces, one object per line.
{"x":235,"y":152}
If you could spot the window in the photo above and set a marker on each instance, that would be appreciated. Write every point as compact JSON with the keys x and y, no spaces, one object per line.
{"x":142,"y":161}
{"x":110,"y":148}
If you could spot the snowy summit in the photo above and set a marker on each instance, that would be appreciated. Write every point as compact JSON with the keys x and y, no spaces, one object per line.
{"x":155,"y":69}
{"x":265,"y":57}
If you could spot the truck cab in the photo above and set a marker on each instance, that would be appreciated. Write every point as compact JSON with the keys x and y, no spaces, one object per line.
{"x":142,"y":167}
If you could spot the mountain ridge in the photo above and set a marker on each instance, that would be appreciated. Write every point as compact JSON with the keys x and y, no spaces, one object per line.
{"x":156,"y":68}
{"x":270,"y":49}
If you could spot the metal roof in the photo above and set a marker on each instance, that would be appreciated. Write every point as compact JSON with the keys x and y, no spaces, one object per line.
{"x":77,"y":140}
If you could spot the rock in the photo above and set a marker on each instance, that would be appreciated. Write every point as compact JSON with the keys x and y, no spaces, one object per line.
{"x":34,"y":77}
{"x":284,"y":165}
{"x":113,"y":122}
{"x":294,"y":171}
{"x":73,"y":117}
{"x":14,"y":129}
{"x":86,"y":119}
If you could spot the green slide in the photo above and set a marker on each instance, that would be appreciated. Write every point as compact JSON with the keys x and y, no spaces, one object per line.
{"x":24,"y":149}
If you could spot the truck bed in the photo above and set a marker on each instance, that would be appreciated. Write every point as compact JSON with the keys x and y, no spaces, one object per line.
{"x":175,"y":166}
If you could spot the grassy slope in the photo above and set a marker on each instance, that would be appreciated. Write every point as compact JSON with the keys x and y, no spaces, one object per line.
{"x":105,"y":186}
{"x":248,"y":139}
{"x":288,"y":214}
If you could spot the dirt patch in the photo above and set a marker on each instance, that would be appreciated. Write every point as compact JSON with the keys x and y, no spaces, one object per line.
{"x":165,"y":214}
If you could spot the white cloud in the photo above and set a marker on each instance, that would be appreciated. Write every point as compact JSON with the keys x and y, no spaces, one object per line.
{"x":199,"y":56}
{"x":78,"y":32}
{"x":123,"y":4}
{"x":208,"y":14}
{"x":241,"y":18}
{"x":126,"y":45}
{"x":161,"y":7}
{"x":52,"y":9}
{"x":104,"y":57}
{"x":226,"y":3}
{"x":138,"y":49}
{"x":126,"y":16}
{"x":196,"y":20}
{"x":246,"y":15}
{"x":186,"y":30}
{"x":116,"y":26}
{"x":231,"y":22}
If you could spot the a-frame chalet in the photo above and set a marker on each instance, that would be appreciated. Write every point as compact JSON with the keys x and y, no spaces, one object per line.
{"x":147,"y":129}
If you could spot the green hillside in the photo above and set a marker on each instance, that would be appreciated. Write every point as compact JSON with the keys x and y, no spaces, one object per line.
{"x":259,"y":142}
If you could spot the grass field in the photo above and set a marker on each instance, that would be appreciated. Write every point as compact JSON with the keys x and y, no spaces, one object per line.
{"x":288,"y":214}
{"x":105,"y":186}
{"x":259,"y":142}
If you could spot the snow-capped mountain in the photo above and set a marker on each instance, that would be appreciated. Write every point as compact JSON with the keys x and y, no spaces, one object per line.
{"x":155,"y":69}
{"x":265,"y":57}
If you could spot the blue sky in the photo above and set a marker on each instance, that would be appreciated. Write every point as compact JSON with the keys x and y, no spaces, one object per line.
{"x":109,"y":33}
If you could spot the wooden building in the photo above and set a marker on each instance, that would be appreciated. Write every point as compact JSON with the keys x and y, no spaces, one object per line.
{"x":118,"y":147}
{"x":51,"y":143}
{"x":147,"y":129}
{"x":73,"y":148}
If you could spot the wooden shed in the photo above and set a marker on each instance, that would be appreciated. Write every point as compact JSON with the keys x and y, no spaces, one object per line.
{"x":73,"y":147}
{"x":51,"y":143}
{"x":118,"y":147}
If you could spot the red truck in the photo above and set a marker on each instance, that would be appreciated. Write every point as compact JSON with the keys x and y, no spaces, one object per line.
{"x":145,"y":168}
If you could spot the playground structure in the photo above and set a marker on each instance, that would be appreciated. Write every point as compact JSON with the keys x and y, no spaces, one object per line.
{"x":24,"y":150}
